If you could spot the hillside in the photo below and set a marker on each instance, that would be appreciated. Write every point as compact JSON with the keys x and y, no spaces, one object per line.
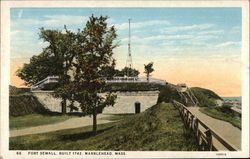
{"x":205,"y":97}
{"x":22,"y":102}
{"x":168,"y":93}
{"x":159,"y":128}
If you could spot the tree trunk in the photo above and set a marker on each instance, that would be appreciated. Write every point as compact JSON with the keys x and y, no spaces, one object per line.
{"x":148,"y":77}
{"x":94,"y":121}
{"x":64,"y":106}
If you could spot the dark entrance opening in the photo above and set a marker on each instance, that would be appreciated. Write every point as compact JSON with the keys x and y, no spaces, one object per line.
{"x":137,"y":107}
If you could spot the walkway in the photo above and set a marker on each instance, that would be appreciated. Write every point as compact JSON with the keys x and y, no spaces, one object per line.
{"x":68,"y":124}
{"x":224,"y":129}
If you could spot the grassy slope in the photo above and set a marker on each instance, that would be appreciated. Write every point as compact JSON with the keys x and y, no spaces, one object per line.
{"x":207,"y":100}
{"x":26,"y":111}
{"x":167,"y":94}
{"x":158,"y":128}
{"x":24,"y":104}
{"x":35,"y":120}
{"x":232,"y":117}
{"x":115,"y":117}
{"x":205,"y":97}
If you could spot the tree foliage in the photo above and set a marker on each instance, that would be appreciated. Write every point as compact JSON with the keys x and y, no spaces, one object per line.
{"x":148,"y":69}
{"x":126,"y":71}
{"x":130,"y":72}
{"x":40,"y":67}
{"x":88,"y":54}
{"x":94,"y":57}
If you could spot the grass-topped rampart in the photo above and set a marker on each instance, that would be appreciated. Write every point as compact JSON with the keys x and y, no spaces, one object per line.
{"x":132,"y":87}
{"x":24,"y":104}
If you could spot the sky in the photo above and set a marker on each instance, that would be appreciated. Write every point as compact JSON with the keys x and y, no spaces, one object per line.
{"x":197,"y":46}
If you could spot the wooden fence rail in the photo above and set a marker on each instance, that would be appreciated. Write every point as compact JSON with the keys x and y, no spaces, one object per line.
{"x":204,"y":135}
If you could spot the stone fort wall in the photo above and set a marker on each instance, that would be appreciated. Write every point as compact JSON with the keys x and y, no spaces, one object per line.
{"x":125,"y":102}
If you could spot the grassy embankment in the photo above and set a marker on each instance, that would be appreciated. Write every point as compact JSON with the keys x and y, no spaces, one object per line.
{"x":26,"y":111}
{"x":218,"y":113}
{"x":205,"y":97}
{"x":208,"y":106}
{"x":115,"y":117}
{"x":158,"y":128}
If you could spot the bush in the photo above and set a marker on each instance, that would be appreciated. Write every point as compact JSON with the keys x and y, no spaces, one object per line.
{"x":225,"y":108}
{"x":168,"y":94}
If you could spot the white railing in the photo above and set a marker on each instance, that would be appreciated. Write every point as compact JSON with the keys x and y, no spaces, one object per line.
{"x":135,"y":80}
{"x":54,"y":79}
{"x":49,"y":79}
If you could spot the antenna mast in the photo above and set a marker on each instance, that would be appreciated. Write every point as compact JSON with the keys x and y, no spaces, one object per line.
{"x":129,"y":58}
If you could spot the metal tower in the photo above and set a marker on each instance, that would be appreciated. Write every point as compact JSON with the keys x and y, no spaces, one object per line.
{"x":129,"y":58}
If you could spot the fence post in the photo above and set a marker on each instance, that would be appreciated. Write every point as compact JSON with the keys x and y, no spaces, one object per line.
{"x":209,"y":139}
{"x":187,"y":118}
{"x":192,"y":122}
{"x":196,"y":126}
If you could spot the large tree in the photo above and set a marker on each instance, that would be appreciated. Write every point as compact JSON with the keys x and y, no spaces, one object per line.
{"x":89,"y":54}
{"x":39,"y":67}
{"x":62,"y":46}
{"x":148,"y":69}
{"x":94,"y":57}
{"x":55,"y":59}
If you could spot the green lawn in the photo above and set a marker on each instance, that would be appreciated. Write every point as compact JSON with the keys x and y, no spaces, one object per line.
{"x":115,"y":117}
{"x":232,"y":117}
{"x":159,"y":128}
{"x":35,"y":120}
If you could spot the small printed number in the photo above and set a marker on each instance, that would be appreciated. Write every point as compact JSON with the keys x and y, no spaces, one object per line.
{"x":18,"y":153}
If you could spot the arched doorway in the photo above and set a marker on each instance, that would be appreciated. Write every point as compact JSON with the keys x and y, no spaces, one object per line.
{"x":137,"y":107}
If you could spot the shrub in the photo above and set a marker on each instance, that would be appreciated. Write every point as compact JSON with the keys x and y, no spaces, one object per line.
{"x":225,"y":108}
{"x":168,"y":94}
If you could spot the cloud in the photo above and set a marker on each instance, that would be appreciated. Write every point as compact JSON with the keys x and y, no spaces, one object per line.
{"x":175,"y":40}
{"x":141,"y":24}
{"x":61,"y":20}
{"x":228,"y":43}
{"x":175,"y":29}
{"x":210,"y":32}
{"x":20,"y":13}
{"x":50,"y":21}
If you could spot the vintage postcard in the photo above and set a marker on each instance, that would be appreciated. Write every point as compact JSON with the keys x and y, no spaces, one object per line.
{"x":124,"y":79}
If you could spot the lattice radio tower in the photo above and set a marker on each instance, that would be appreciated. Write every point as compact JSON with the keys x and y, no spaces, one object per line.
{"x":129,"y":58}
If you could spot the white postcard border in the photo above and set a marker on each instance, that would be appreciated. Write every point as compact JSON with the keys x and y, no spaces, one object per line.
{"x":5,"y":79}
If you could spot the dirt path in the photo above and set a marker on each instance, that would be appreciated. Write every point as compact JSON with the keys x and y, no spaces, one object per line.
{"x":224,"y":129}
{"x":68,"y":124}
